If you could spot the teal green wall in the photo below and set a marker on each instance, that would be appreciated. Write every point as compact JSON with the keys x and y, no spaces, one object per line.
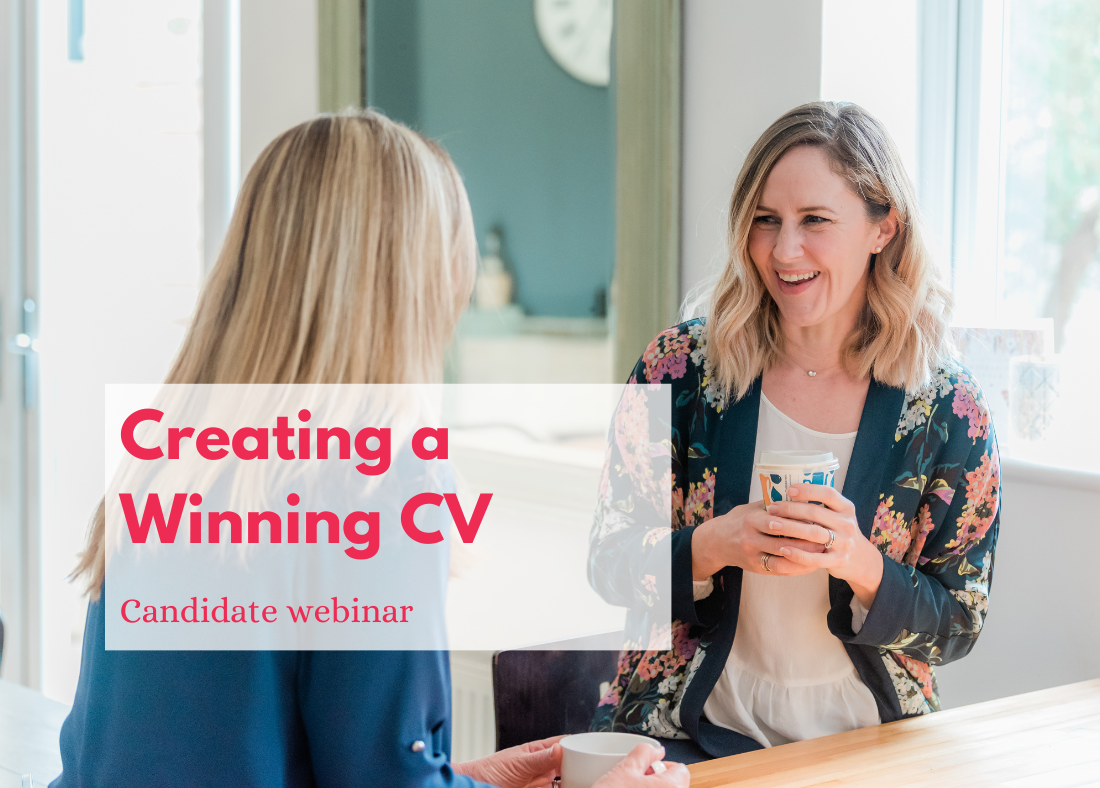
{"x":393,"y":58}
{"x":535,"y":146}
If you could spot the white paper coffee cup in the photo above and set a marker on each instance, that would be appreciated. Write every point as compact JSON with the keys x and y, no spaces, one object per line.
{"x":778,"y":470}
{"x":586,"y":757}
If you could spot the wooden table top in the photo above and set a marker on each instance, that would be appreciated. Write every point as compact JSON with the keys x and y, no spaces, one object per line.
{"x":1049,"y":738}
{"x":30,"y":724}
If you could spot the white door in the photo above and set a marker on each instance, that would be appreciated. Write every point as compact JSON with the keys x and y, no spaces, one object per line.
{"x":19,"y":544}
{"x":120,"y":152}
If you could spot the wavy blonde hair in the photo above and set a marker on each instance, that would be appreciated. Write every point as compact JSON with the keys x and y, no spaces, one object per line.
{"x":349,"y":258}
{"x":902,"y":333}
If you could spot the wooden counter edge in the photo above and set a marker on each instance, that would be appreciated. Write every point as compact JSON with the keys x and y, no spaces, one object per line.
{"x":727,"y":768}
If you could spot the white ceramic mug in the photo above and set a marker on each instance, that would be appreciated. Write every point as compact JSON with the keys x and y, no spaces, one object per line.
{"x":586,"y":757}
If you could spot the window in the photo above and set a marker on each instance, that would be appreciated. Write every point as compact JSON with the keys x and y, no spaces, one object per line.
{"x":995,"y":107}
{"x":1008,"y":170}
{"x":1027,"y":205}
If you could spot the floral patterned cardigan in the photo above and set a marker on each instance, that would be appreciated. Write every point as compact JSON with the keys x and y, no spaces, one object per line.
{"x":925,"y":480}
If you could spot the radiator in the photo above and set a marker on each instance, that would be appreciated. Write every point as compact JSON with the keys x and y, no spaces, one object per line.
{"x":473,"y":722}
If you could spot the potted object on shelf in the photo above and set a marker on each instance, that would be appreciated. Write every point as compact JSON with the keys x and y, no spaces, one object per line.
{"x":494,"y":283}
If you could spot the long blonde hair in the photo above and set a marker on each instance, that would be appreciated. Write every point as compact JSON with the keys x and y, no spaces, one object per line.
{"x":349,"y":258}
{"x":902,"y":334}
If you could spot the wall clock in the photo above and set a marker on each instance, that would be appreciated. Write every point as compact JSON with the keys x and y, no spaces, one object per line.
{"x":577,"y":34}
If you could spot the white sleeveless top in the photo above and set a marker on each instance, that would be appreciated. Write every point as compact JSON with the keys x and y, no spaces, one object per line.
{"x":788,"y":678}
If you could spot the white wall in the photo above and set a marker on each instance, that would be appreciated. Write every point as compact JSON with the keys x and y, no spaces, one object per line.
{"x":869,"y":57}
{"x":1043,"y":627}
{"x":278,"y":70}
{"x":746,"y":62}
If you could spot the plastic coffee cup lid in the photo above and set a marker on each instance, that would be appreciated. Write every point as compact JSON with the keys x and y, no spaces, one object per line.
{"x":796,"y":458}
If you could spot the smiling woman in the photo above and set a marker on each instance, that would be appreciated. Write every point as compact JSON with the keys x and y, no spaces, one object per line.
{"x":827,"y":194}
{"x":815,"y":250}
{"x":826,"y":334}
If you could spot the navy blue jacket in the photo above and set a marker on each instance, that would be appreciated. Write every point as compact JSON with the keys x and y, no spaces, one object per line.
{"x":257,"y":718}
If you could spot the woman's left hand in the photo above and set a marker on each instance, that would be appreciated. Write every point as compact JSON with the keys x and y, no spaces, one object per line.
{"x":531,"y":765}
{"x":851,"y":557}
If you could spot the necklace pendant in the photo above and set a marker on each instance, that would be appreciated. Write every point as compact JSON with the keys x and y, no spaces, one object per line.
{"x":811,"y":373}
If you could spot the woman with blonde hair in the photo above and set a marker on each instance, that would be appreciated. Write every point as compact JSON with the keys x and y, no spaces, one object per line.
{"x":349,"y":258}
{"x":827,"y":332}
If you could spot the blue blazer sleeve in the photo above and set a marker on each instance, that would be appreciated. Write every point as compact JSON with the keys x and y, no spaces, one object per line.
{"x":363,"y":711}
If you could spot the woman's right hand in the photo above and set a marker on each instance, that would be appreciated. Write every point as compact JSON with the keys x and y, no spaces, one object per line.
{"x":631,"y":771}
{"x":740,"y":537}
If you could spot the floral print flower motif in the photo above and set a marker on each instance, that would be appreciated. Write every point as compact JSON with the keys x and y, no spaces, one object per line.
{"x":923,"y":675}
{"x":700,"y":501}
{"x":677,"y":505}
{"x":659,"y":722}
{"x":608,"y":521}
{"x":969,"y":403}
{"x":667,"y":355}
{"x":698,"y":334}
{"x":713,"y":397}
{"x":612,"y":696}
{"x":669,"y":684}
{"x":980,"y":510}
{"x":976,"y":604}
{"x":919,"y":403}
{"x":915,"y":415}
{"x":664,"y":719}
{"x":654,"y":535}
{"x":689,"y":674}
{"x":945,"y":494}
{"x":682,"y":643}
{"x":632,"y":439}
{"x":921,"y":527}
{"x":605,"y":474}
{"x":910,"y":693}
{"x":975,"y":595}
{"x":665,"y":663}
{"x":890,"y":531}
{"x":623,"y":673}
{"x":664,"y":487}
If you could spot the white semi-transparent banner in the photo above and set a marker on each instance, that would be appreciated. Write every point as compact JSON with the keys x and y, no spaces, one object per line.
{"x":461,"y":516}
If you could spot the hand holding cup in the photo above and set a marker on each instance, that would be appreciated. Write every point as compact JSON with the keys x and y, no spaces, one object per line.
{"x":820,"y":515}
{"x":744,"y":537}
{"x":643,"y":768}
{"x":617,"y":760}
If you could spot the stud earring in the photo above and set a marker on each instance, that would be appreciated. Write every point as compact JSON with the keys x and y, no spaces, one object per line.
{"x":878,"y":249}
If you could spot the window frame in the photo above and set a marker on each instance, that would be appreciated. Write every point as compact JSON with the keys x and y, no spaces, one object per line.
{"x":961,"y":173}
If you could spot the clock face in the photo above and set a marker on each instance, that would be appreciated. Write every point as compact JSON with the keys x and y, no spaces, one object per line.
{"x":577,"y":34}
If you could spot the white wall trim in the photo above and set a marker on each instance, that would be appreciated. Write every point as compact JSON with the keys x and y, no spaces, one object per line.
{"x":938,"y":23}
{"x":1048,"y":475}
{"x":221,"y":135}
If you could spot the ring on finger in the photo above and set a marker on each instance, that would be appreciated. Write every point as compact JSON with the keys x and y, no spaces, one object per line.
{"x":832,"y":538}
{"x":764,"y":558}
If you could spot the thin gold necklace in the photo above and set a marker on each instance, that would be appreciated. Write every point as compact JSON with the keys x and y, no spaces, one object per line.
{"x":812,"y":373}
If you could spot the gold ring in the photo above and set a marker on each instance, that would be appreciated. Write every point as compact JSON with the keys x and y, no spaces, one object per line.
{"x":764,"y":561}
{"x":832,"y":538}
